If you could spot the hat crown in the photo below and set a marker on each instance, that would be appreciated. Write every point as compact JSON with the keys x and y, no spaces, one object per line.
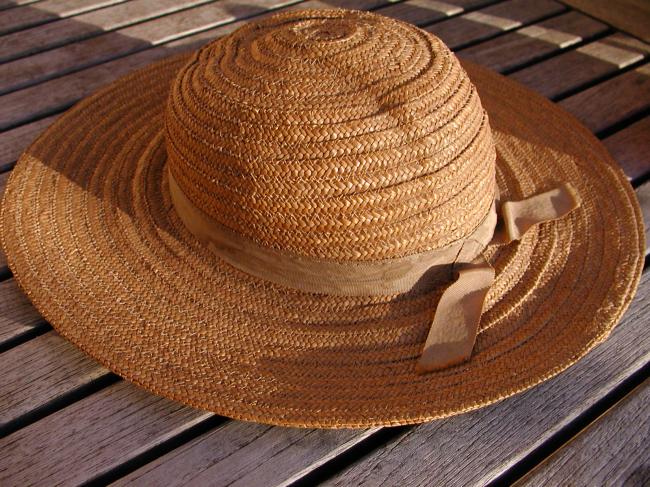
{"x":332,"y":134}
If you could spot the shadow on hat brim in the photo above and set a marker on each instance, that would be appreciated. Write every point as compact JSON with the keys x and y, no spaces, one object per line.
{"x":92,"y":238}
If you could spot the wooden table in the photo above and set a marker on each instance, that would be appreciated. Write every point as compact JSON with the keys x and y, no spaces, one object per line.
{"x":66,"y":420}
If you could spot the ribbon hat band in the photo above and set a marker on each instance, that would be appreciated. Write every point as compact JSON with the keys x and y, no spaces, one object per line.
{"x":455,"y":323}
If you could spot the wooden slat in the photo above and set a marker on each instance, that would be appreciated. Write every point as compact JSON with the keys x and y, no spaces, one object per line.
{"x":17,"y":315}
{"x":92,"y":436}
{"x":423,"y":12}
{"x":54,"y":95}
{"x":627,"y":95}
{"x":643,"y":194}
{"x":246,"y":455}
{"x":65,"y":31}
{"x":632,"y":16}
{"x":493,"y":20}
{"x":631,"y":148}
{"x":475,"y":448}
{"x":570,"y":71}
{"x":43,"y":99}
{"x":48,"y":10}
{"x":531,"y":43}
{"x":13,"y":142}
{"x":41,"y":371}
{"x":614,"y":450}
{"x":9,"y":4}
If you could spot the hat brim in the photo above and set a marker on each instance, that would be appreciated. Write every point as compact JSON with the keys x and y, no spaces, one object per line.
{"x":92,"y":238}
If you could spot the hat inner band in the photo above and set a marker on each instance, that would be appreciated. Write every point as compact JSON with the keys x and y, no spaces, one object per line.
{"x":363,"y":278}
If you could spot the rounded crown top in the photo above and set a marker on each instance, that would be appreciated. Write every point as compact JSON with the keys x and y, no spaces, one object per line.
{"x":333,"y":134}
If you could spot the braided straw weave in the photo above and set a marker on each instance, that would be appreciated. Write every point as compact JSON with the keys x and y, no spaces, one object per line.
{"x":337,"y":135}
{"x":332,"y":134}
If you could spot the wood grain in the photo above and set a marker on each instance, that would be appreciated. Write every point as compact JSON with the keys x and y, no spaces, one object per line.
{"x":20,"y":18}
{"x":65,"y":31}
{"x":92,"y":436}
{"x":529,"y":44}
{"x":605,"y":104}
{"x":423,"y":12}
{"x":52,"y":96}
{"x":246,"y":454}
{"x":631,"y":149}
{"x":17,"y":315}
{"x":572,"y":70}
{"x":508,"y":15}
{"x":475,"y":448}
{"x":41,"y":371}
{"x":632,"y":16}
{"x":78,"y":55}
{"x":611,"y":451}
{"x":13,"y":142}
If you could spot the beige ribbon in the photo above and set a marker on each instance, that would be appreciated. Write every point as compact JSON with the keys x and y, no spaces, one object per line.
{"x":455,"y":324}
{"x":312,"y":275}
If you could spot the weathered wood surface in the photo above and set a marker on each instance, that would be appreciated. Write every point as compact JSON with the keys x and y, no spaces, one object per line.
{"x":423,"y":12}
{"x":20,"y":18}
{"x":614,"y":450}
{"x":247,"y":454}
{"x":17,"y":315}
{"x":578,"y":68}
{"x":244,"y":453}
{"x":627,"y":95}
{"x":631,"y":148}
{"x":92,"y":436}
{"x":65,"y":31}
{"x":71,"y":57}
{"x":41,"y":371}
{"x":493,"y":20}
{"x":531,"y":43}
{"x":9,"y":4}
{"x":13,"y":142}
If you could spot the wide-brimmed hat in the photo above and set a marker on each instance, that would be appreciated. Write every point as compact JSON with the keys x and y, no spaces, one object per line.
{"x":324,"y":219}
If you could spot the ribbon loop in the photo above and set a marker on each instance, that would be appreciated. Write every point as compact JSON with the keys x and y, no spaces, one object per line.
{"x":455,"y":323}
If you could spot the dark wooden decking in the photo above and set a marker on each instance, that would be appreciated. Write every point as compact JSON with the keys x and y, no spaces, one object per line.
{"x":65,"y":420}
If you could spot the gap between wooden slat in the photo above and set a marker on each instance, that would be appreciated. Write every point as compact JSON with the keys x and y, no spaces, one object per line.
{"x":27,"y":17}
{"x":570,"y":431}
{"x":612,"y":450}
{"x":87,"y":25}
{"x":8,"y":4}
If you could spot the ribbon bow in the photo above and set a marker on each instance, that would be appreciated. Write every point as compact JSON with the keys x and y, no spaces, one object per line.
{"x":455,"y":324}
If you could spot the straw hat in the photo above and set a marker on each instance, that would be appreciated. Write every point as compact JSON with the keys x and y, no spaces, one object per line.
{"x":324,"y":219}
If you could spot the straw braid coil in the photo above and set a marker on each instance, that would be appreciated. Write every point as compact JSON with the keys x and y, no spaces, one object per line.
{"x":332,"y":134}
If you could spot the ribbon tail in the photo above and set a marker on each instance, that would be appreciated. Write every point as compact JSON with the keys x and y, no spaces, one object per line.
{"x":517,"y":217}
{"x":455,"y":324}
